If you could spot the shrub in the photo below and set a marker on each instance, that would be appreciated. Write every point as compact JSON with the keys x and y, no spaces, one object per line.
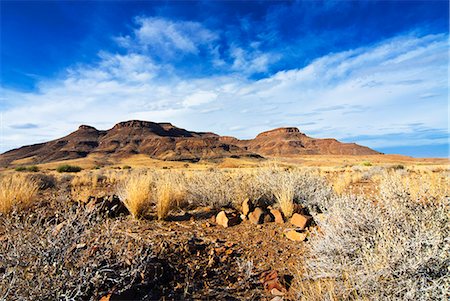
{"x":73,"y":256}
{"x":366,"y":163}
{"x":286,"y":187}
{"x":391,"y":248}
{"x":16,"y":191}
{"x":126,"y":167}
{"x":136,"y":192}
{"x":32,"y":168}
{"x":219,"y":188}
{"x":68,"y":168}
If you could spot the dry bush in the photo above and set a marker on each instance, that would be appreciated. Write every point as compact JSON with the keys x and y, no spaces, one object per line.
{"x":136,"y":193}
{"x":73,"y":255}
{"x":219,"y":188}
{"x":16,"y":191}
{"x":286,"y":187}
{"x":87,"y":184}
{"x":392,"y":248}
{"x":170,"y":193}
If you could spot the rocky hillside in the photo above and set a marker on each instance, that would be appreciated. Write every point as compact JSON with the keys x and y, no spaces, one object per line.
{"x":165,"y":141}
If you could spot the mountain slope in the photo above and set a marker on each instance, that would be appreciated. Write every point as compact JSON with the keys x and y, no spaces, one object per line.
{"x":165,"y":141}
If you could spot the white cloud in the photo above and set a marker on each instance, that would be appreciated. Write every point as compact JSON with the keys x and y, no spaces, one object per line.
{"x":166,"y":37}
{"x":373,"y":91}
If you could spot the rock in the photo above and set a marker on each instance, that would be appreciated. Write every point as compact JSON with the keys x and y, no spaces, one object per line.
{"x":268,"y":218}
{"x":272,"y":283}
{"x":222,"y":219}
{"x":243,"y":217}
{"x":246,"y":207}
{"x":295,"y":235}
{"x":277,"y":298}
{"x":256,"y":216}
{"x":227,"y":220}
{"x":300,"y":220}
{"x":276,"y":292}
{"x":277,"y":216}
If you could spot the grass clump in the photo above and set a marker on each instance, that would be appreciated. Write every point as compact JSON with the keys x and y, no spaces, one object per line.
{"x":68,"y":168}
{"x":16,"y":191}
{"x":366,"y":163}
{"x":136,"y":192}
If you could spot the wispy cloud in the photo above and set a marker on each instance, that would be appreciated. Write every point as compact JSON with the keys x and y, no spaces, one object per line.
{"x":375,"y":91}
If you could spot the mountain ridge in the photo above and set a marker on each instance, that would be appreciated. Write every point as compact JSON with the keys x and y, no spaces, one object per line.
{"x":165,"y":141}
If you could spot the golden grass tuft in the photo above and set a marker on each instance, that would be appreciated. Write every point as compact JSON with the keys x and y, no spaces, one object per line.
{"x":170,"y":193}
{"x":285,"y":198}
{"x":135,"y":192}
{"x":16,"y":190}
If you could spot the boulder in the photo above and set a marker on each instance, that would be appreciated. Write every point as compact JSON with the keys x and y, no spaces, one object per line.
{"x":295,"y":235}
{"x":277,"y":215}
{"x":256,"y":216}
{"x":301,"y":221}
{"x":227,"y":219}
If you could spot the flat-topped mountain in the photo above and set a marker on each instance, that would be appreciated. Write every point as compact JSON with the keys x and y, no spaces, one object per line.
{"x":165,"y":141}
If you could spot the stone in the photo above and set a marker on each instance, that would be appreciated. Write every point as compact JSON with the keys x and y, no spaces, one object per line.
{"x":227,"y":220}
{"x":278,"y":216}
{"x":222,"y":219}
{"x":246,"y":207}
{"x":277,"y":298}
{"x":301,"y":221}
{"x":256,"y":216}
{"x":276,"y":292}
{"x":295,"y":235}
{"x":268,"y":218}
{"x":272,"y":284}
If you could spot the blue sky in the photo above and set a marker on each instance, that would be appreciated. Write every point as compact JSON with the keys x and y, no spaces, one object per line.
{"x":371,"y":72}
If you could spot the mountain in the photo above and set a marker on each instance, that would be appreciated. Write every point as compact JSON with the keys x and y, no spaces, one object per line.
{"x":165,"y":141}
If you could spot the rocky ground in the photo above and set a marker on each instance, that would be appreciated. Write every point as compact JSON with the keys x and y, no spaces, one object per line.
{"x":193,"y":256}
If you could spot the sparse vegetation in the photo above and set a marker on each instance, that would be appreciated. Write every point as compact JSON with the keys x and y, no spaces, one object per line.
{"x":68,"y":168}
{"x":32,"y":168}
{"x":136,"y":193}
{"x":379,"y":233}
{"x":16,"y":191}
{"x":391,"y":248}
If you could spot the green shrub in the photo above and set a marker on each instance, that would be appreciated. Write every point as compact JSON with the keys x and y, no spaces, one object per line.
{"x":126,"y":167}
{"x":68,"y":168}
{"x":32,"y":168}
{"x":366,"y":163}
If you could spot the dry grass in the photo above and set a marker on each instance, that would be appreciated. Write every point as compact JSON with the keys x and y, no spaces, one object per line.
{"x":170,"y":193}
{"x":136,"y":193}
{"x":16,"y":191}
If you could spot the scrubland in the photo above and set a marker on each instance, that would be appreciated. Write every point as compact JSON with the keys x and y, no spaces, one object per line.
{"x":379,"y":232}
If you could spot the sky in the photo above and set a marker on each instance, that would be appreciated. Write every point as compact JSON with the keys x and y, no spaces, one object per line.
{"x":370,"y":72}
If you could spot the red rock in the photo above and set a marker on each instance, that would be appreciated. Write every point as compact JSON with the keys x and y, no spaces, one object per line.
{"x":295,"y":235}
{"x":256,"y":216}
{"x":272,"y":283}
{"x":277,"y":216}
{"x":300,"y":220}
